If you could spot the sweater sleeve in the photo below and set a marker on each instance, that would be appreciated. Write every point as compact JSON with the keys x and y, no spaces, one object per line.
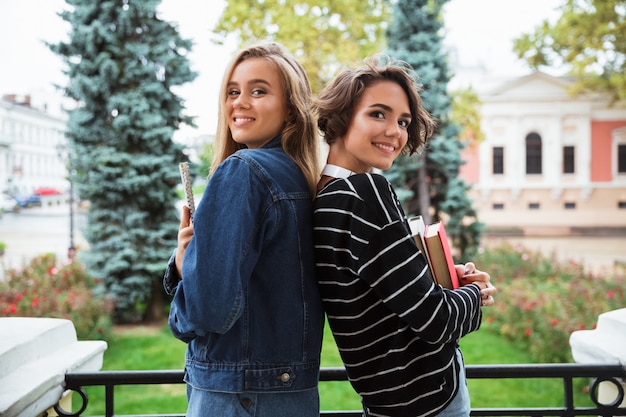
{"x":394,"y":268}
{"x":392,"y":265}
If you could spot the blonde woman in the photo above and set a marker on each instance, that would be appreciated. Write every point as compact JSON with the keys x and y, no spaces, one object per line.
{"x":245,"y":295}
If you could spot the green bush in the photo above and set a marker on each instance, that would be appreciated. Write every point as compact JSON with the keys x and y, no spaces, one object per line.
{"x":540,"y":301}
{"x":44,"y":289}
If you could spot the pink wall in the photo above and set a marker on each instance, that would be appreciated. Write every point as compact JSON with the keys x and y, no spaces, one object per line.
{"x":601,"y":148}
{"x":469,"y":170}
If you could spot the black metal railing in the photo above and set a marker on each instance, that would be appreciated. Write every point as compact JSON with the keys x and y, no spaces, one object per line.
{"x":614,"y":375}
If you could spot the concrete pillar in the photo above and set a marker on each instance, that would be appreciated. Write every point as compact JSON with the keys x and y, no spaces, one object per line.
{"x":606,"y":344}
{"x":35,"y":355}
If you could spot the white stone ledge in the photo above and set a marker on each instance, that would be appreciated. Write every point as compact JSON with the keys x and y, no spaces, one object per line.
{"x":605,"y":344}
{"x":35,"y":355}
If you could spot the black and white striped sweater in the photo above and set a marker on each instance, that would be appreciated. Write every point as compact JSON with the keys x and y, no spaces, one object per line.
{"x":396,"y":330}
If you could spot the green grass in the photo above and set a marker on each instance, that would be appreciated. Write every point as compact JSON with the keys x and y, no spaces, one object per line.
{"x":154,"y":348}
{"x":483,"y":348}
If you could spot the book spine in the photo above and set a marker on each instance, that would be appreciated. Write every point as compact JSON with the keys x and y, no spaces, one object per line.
{"x":443,"y":236}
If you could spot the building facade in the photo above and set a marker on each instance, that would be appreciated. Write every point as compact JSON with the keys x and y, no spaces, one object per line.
{"x":550,"y":163}
{"x":29,"y":158}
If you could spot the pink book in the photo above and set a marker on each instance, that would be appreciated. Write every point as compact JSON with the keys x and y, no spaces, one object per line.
{"x":440,"y":255}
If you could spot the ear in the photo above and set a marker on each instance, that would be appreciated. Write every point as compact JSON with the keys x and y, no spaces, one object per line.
{"x":290,"y":117}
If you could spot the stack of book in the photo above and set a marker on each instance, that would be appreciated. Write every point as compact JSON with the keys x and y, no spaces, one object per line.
{"x":432,"y":240}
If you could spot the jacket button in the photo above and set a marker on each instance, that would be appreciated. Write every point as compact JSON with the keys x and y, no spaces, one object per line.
{"x":285,"y":377}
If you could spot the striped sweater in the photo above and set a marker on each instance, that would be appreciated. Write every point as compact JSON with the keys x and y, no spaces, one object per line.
{"x":397,"y":332}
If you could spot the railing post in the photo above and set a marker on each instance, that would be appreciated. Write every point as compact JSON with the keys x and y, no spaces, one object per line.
{"x":604,"y":345}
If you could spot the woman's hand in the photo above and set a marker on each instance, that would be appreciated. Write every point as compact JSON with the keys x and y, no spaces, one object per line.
{"x":468,"y":274}
{"x":185,"y":233}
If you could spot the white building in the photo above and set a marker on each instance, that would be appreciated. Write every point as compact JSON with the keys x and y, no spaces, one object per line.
{"x":550,"y":163}
{"x":28,"y":148}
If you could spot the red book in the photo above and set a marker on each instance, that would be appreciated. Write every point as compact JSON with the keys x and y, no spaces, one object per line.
{"x":440,"y":255}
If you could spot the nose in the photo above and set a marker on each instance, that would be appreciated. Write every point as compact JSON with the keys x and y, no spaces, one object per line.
{"x":241,"y":101}
{"x":393,"y":130}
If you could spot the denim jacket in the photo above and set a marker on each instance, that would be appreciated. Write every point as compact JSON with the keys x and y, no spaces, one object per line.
{"x":248,"y":304}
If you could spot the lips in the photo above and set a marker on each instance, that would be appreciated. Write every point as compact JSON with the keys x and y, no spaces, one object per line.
{"x":386,"y":148}
{"x":240,"y":121}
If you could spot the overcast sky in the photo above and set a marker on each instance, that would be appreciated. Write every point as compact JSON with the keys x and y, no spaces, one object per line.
{"x":479,"y":30}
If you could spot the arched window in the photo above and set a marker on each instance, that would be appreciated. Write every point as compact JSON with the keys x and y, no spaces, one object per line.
{"x":533,"y":154}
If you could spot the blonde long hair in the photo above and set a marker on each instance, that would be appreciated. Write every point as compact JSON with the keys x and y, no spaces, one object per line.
{"x":299,"y":135}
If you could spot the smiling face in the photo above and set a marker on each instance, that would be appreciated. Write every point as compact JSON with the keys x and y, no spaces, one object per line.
{"x":377,"y":132}
{"x":255,"y":103}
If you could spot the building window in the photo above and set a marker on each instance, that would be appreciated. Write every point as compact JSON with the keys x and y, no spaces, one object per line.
{"x":568,"y":205}
{"x":498,"y":160}
{"x":533,"y":206}
{"x":621,"y":158}
{"x":568,"y":160}
{"x":497,"y":206}
{"x":533,"y":154}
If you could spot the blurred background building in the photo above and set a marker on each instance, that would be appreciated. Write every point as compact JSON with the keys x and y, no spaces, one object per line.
{"x":550,"y":163}
{"x":29,"y":137}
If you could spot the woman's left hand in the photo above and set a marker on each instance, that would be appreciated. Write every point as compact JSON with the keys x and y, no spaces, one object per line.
{"x":468,"y":274}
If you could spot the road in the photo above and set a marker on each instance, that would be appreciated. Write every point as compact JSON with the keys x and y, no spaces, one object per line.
{"x":36,"y":231}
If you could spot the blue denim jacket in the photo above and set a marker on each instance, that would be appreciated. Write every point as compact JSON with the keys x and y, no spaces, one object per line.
{"x":248,"y":304}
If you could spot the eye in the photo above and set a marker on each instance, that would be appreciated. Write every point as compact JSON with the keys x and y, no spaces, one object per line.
{"x":258,"y":92}
{"x":404,"y":123}
{"x":233,"y":92}
{"x":377,"y":114}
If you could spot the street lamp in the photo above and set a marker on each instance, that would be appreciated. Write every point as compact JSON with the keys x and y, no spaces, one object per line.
{"x":63,"y":152}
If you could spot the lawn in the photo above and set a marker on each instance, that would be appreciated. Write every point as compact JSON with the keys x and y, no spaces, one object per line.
{"x":153,"y":347}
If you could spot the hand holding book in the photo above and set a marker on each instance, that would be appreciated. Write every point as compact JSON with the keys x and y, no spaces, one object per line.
{"x":436,"y":249}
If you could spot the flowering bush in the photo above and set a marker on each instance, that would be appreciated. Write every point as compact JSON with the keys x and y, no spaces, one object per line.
{"x":540,"y":301}
{"x":44,"y":289}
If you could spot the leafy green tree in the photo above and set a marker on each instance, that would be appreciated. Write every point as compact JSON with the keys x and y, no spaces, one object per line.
{"x":323,"y":34}
{"x":429,"y":184}
{"x":590,"y":38}
{"x":122,"y":62}
{"x":466,"y":113}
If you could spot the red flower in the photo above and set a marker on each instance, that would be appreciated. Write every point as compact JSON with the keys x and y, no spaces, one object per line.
{"x":528,"y":332}
{"x":554,"y":322}
{"x":12,"y":309}
{"x":35,"y":302}
{"x":610,"y":294}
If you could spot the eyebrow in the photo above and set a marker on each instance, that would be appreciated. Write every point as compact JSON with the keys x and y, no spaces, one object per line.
{"x":388,"y":108}
{"x":253,"y":81}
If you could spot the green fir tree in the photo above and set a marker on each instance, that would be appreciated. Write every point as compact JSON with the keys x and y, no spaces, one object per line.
{"x":428,"y":184}
{"x":122,"y":61}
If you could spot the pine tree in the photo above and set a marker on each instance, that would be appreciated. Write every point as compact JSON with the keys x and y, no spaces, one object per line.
{"x":429,"y":184}
{"x":122,"y":61}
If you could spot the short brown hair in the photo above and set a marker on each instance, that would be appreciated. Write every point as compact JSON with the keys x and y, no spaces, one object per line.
{"x":335,"y":104}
